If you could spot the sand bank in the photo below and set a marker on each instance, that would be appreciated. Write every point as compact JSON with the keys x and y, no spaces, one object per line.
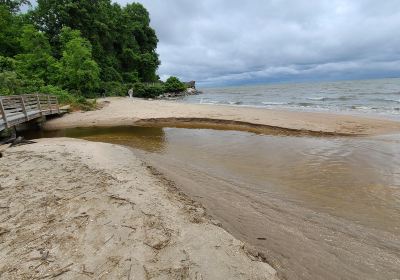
{"x":124,"y":111}
{"x":78,"y":210}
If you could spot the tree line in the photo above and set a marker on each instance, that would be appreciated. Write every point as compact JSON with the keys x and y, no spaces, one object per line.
{"x":78,"y":49}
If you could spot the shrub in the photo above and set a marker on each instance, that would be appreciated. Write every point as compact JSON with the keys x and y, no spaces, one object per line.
{"x":9,"y":83}
{"x":114,"y":89}
{"x":152,"y":91}
{"x":174,"y":85}
{"x":63,"y":96}
{"x":139,"y":90}
{"x":84,"y":104}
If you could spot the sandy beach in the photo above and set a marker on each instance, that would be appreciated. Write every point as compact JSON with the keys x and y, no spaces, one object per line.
{"x":124,"y":111}
{"x":74,"y":209}
{"x":207,"y":140}
{"x":101,"y":212}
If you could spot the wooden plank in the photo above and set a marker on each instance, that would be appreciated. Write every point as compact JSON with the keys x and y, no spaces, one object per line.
{"x":12,"y":111}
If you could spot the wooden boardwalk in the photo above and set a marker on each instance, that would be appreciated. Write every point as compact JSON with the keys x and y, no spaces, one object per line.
{"x":17,"y":109}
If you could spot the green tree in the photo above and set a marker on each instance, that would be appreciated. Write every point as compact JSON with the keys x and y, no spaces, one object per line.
{"x":10,"y":26}
{"x":35,"y":61}
{"x":81,"y":47}
{"x":9,"y":83}
{"x":139,"y":44}
{"x":123,"y":43}
{"x":173,"y":84}
{"x":78,"y":72}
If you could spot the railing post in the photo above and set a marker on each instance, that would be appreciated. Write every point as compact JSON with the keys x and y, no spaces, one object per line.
{"x":49,"y":104}
{"x":24,"y":108}
{"x":39,"y":106}
{"x":3,"y":113}
{"x":58,"y":105}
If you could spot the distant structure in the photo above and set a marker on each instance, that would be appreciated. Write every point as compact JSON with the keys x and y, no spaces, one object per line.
{"x":191,"y":84}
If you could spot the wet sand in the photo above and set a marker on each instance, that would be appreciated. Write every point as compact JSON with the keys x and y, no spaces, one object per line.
{"x":72,"y":209}
{"x":124,"y":111}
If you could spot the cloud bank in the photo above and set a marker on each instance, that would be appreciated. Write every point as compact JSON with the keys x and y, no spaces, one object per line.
{"x":233,"y":42}
{"x":223,"y":42}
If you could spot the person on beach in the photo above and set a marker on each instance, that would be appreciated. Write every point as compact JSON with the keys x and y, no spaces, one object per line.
{"x":130,"y":92}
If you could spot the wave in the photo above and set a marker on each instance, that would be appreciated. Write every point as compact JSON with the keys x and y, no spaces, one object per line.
{"x":274,"y":103}
{"x":316,"y":98}
{"x":322,"y":98}
{"x":235,"y":102}
{"x":392,"y":100}
{"x":367,"y":108}
{"x":303,"y":104}
{"x":389,"y":100}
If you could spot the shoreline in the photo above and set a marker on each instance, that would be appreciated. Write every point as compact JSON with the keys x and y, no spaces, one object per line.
{"x":102,"y":212}
{"x":138,"y":112}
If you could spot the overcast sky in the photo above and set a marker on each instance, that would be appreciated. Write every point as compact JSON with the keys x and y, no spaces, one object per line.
{"x":218,"y":42}
{"x":243,"y":41}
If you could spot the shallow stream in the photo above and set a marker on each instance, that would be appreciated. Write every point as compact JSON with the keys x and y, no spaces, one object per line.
{"x":316,"y":207}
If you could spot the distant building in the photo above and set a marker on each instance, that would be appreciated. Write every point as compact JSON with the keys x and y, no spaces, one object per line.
{"x":191,"y":84}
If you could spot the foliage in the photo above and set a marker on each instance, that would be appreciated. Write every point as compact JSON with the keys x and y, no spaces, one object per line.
{"x":147,"y":91}
{"x":114,"y":89}
{"x":173,"y":84}
{"x":123,"y":41}
{"x":64,"y":97}
{"x":9,"y":83}
{"x":7,"y":64}
{"x":10,"y":26}
{"x":79,"y":49}
{"x":153,"y":91}
{"x":139,"y":89}
{"x":81,"y":103}
{"x":35,"y":61}
{"x":78,"y":72}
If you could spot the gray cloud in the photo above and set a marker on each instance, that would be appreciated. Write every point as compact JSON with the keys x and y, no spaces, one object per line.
{"x":223,"y":42}
{"x":237,"y":41}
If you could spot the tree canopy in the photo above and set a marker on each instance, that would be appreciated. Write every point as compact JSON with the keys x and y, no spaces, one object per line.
{"x":124,"y":45}
{"x":82,"y":47}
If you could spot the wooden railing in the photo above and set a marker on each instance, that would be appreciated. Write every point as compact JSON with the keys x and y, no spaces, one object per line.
{"x":17,"y":109}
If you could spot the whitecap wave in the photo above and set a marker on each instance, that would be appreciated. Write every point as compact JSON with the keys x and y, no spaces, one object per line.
{"x":392,"y":100}
{"x":321,"y":98}
{"x":274,"y":103}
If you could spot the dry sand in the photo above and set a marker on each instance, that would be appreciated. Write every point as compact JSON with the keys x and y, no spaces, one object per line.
{"x":74,"y":209}
{"x":124,"y":111}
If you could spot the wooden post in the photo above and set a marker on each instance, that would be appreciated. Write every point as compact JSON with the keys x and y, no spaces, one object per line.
{"x":24,"y":108}
{"x":39,"y":107}
{"x":49,"y":104}
{"x":58,"y":105}
{"x":3,"y":113}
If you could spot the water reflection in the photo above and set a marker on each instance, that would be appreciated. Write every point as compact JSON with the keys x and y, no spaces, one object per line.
{"x":151,"y":139}
{"x":326,"y":208}
{"x":353,"y":178}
